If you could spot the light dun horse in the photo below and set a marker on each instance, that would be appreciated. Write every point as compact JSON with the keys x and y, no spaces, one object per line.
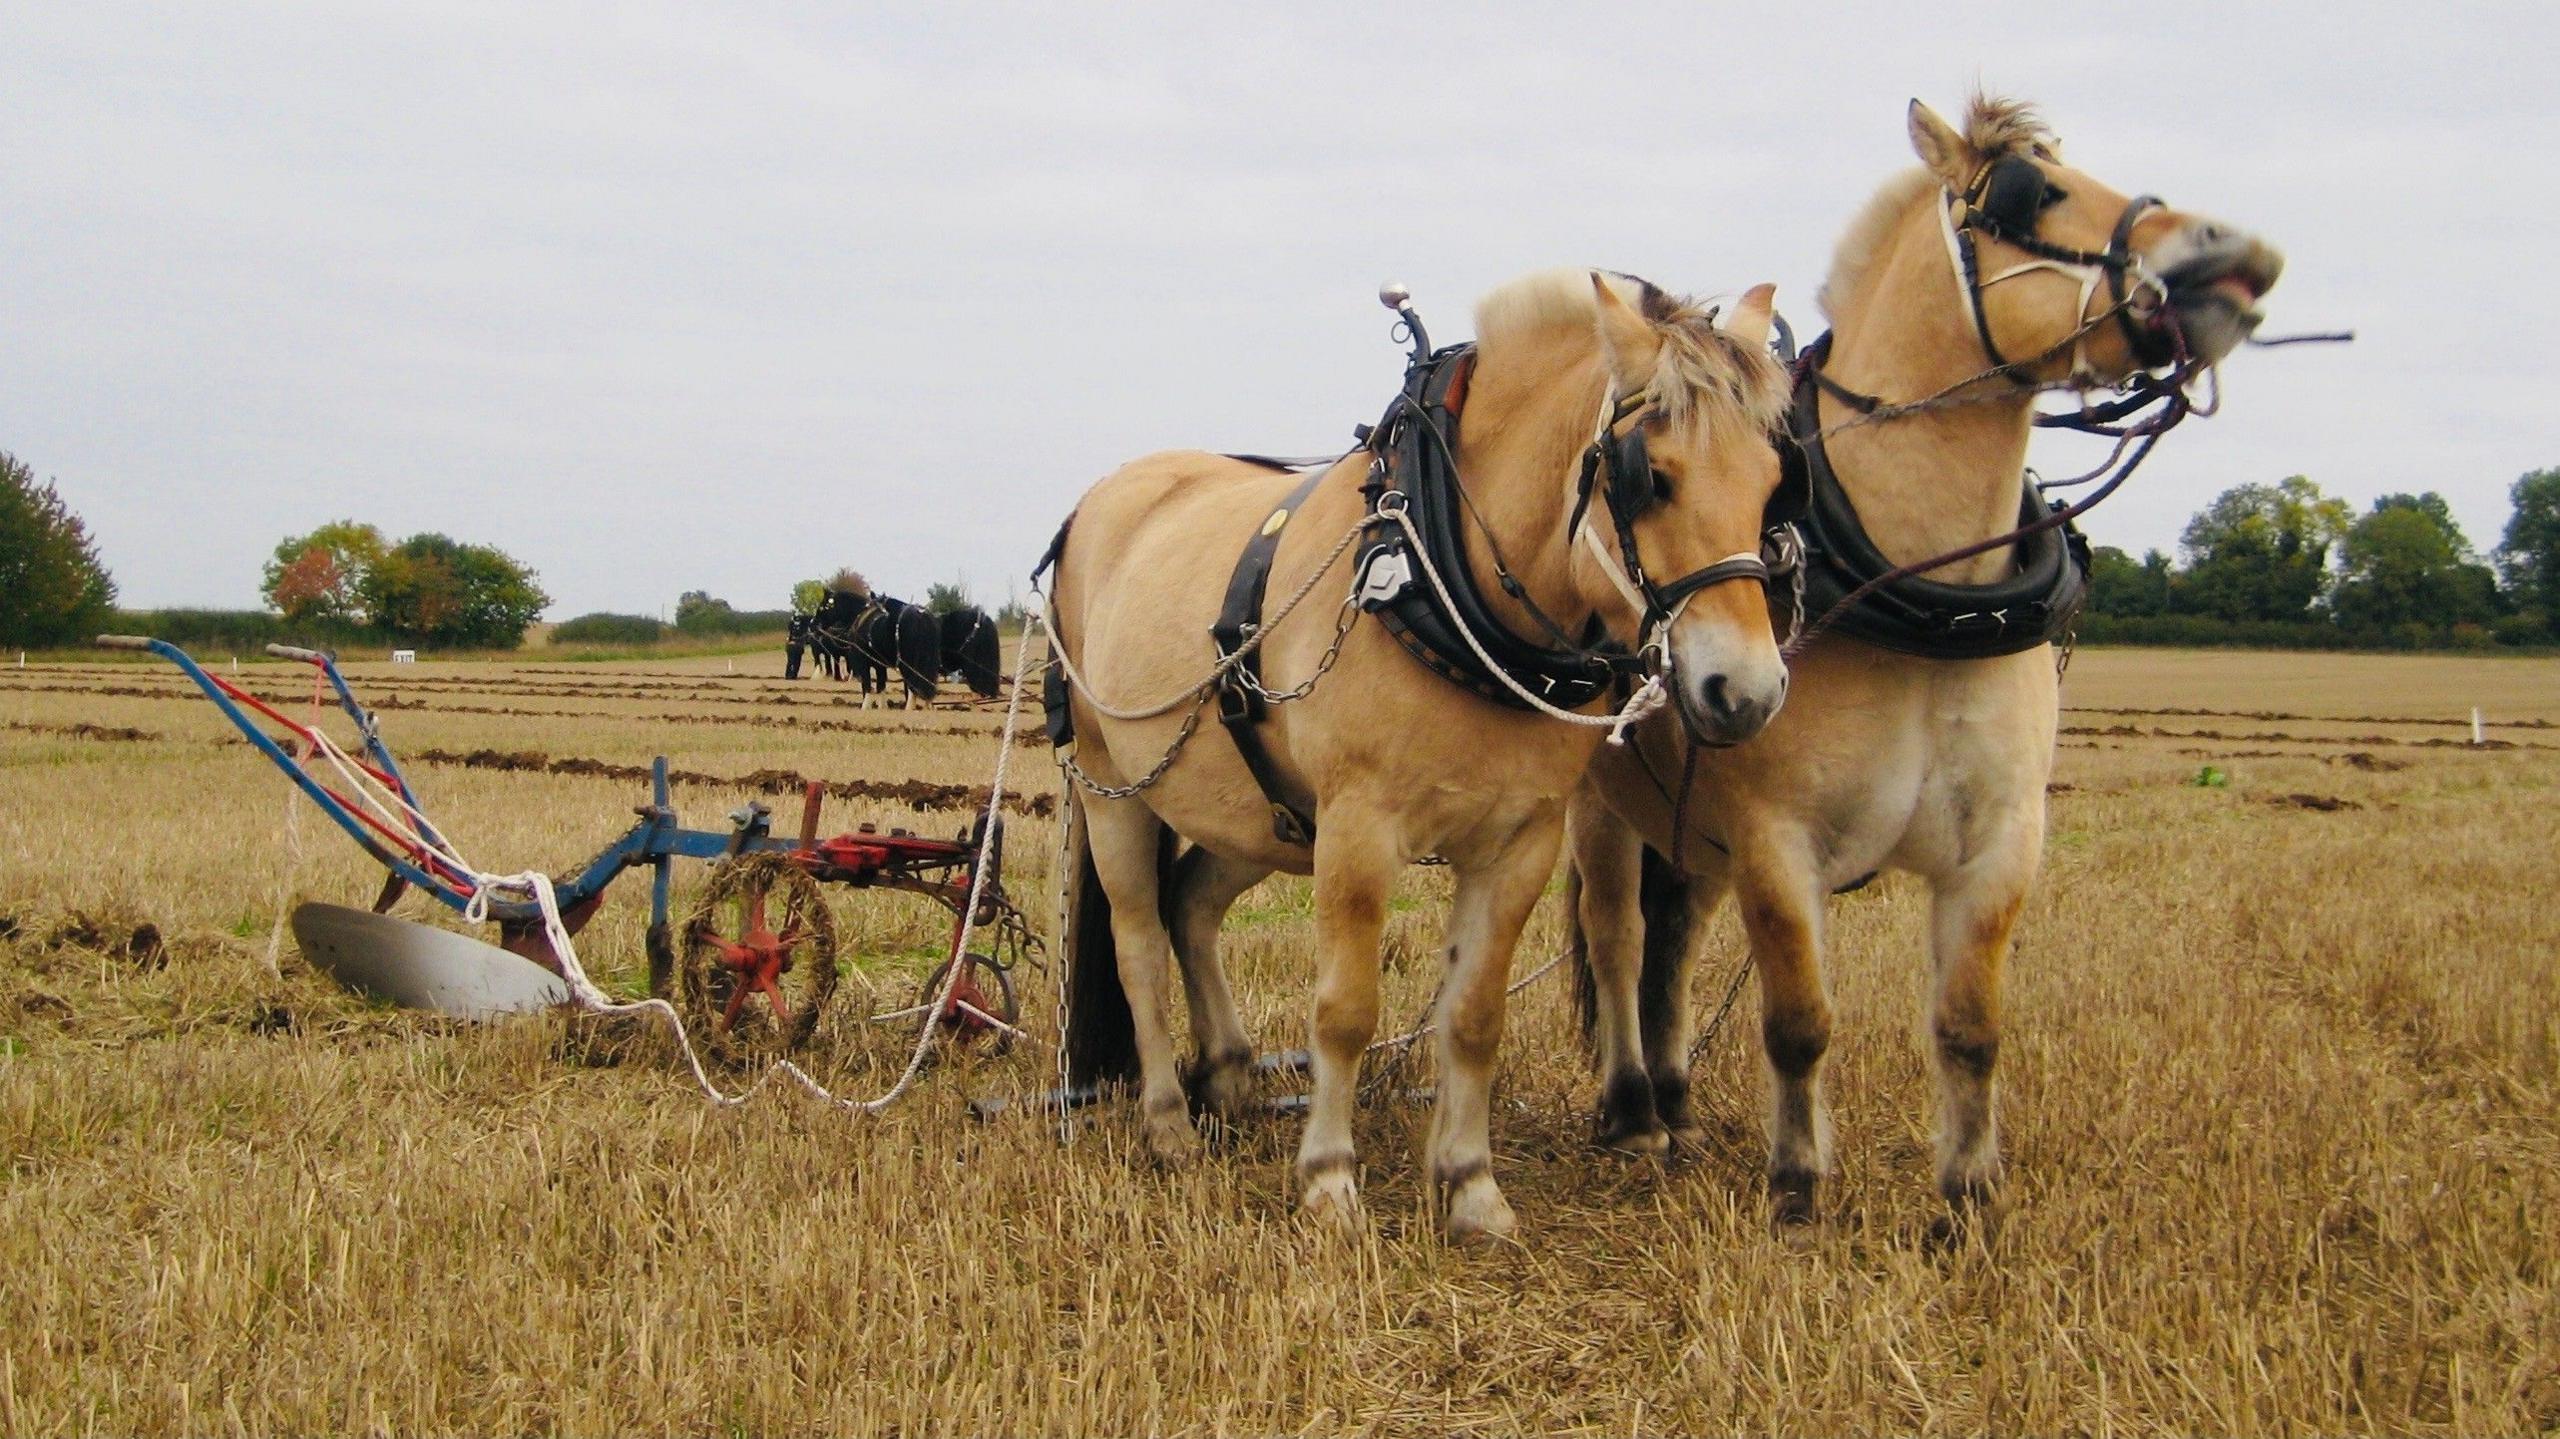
{"x":1396,"y":762}
{"x":1892,"y":760}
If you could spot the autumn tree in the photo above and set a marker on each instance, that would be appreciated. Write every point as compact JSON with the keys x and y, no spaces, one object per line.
{"x":53,"y":590}
{"x":321,"y":575}
{"x":435,"y":588}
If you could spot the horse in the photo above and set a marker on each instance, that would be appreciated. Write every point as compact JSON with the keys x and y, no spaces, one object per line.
{"x":1578,"y":380}
{"x":970,"y":651}
{"x":1921,"y":731}
{"x":893,"y":634}
{"x":833,"y":629}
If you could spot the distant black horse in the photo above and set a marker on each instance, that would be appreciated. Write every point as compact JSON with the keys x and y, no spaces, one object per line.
{"x":909,"y":635}
{"x":839,"y":633}
{"x":969,"y":650}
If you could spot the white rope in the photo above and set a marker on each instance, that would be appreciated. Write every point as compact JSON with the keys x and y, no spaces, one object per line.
{"x":584,"y":992}
{"x":1648,"y":699}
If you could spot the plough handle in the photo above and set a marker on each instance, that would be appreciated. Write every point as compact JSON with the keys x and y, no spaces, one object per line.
{"x":124,"y":642}
{"x":296,"y":652}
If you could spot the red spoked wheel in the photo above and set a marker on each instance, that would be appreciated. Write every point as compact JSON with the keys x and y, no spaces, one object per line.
{"x":986,"y":988}
{"x":759,"y":959}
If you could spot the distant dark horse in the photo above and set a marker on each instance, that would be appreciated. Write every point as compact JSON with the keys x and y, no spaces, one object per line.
{"x":909,"y":636}
{"x":969,"y":650}
{"x":839,"y":633}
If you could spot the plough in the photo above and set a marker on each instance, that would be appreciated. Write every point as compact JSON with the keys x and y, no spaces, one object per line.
{"x":755,"y":962}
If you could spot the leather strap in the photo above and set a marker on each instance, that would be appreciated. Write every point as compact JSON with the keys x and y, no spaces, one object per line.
{"x":1240,"y":704}
{"x":1920,"y":616}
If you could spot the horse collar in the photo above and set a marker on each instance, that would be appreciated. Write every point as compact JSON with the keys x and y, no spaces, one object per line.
{"x":1914,"y":615}
{"x":1414,"y":468}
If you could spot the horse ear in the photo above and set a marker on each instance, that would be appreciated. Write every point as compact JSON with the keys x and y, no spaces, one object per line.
{"x":1627,"y":339}
{"x":1750,"y":320}
{"x":1941,"y":148}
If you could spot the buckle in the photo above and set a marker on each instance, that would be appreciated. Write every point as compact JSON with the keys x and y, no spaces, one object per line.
{"x":1385,"y":574}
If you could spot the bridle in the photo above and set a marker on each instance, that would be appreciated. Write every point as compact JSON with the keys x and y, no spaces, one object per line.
{"x":1618,"y":465}
{"x":2003,"y":201}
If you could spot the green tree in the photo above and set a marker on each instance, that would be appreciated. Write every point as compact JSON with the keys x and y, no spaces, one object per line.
{"x":53,"y":590}
{"x":2529,"y":553}
{"x":807,"y":596}
{"x":942,"y":599}
{"x":434,"y":588}
{"x":2260,"y":552}
{"x":2120,"y":585}
{"x":320,"y":576}
{"x":2406,"y":563}
{"x":698,"y":613}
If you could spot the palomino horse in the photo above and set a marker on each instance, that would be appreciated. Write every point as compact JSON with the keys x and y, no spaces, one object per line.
{"x":1393,"y":761}
{"x":1922,"y":726}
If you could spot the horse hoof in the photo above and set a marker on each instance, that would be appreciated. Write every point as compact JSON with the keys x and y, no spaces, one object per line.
{"x":1687,"y":1138}
{"x":1791,"y":1200}
{"x":1645,"y":1143}
{"x":1478,"y":1214}
{"x":1332,"y":1202}
{"x":1171,"y":1141}
{"x":1224,"y":1089}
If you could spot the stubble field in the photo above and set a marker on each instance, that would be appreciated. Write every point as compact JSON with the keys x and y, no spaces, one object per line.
{"x":2279,"y":1097}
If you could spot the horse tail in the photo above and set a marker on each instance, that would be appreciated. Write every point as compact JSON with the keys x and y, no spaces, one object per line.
{"x":1662,"y":906}
{"x":1102,"y":1034}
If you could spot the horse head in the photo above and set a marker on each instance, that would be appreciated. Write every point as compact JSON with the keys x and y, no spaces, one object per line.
{"x":2062,"y":275}
{"x":1684,"y":466}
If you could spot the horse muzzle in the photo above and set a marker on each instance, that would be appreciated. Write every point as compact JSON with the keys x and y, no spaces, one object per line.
{"x":2212,"y":277}
{"x":1725,"y":707}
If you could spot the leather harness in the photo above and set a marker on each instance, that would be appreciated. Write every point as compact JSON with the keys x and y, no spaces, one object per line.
{"x":1240,"y":703}
{"x":1913,"y":615}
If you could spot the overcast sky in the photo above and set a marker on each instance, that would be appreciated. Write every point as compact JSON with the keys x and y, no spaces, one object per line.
{"x":672,"y":296}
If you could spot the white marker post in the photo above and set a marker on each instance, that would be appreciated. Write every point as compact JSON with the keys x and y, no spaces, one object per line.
{"x":2477,"y":739}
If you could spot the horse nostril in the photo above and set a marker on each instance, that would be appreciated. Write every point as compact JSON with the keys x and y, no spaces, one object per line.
{"x":2212,"y":234}
{"x":1719,"y":700}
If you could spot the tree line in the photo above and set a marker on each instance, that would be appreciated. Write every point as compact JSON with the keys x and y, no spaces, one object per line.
{"x":2287,"y":564}
{"x":2263,"y":564}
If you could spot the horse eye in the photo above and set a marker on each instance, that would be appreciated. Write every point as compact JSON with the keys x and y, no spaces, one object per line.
{"x":1661,"y":485}
{"x":2053,"y":195}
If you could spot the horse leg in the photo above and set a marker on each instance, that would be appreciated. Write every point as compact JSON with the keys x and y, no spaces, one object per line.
{"x":1206,"y":886}
{"x":1125,"y":837}
{"x":1971,"y":919}
{"x":1492,"y":904}
{"x":1355,"y":866}
{"x":1609,"y":934}
{"x":1782,"y":913}
{"x":1675,"y":906}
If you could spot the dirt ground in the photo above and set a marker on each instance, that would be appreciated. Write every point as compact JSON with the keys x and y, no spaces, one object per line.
{"x":2279,"y":1094}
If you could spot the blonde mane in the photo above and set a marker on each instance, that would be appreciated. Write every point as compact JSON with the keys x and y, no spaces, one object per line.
{"x":1705,"y":380}
{"x":1993,"y":126}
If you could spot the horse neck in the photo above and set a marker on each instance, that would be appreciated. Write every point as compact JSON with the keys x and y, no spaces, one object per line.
{"x":1520,"y":435}
{"x":1928,"y":483}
